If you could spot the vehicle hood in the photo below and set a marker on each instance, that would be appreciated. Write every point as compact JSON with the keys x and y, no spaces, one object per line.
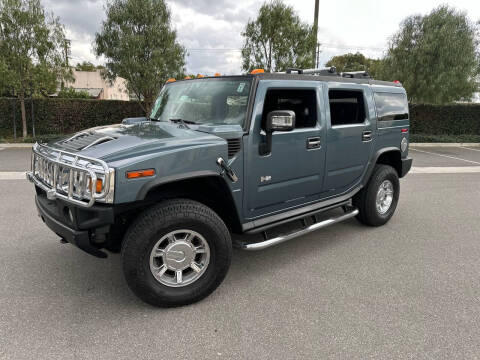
{"x":122,"y":141}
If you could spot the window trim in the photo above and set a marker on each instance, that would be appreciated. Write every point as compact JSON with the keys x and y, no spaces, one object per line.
{"x":365,"y":108}
{"x":295,"y":88}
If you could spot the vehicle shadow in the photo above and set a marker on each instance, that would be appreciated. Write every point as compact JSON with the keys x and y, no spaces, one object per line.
{"x":82,"y":279}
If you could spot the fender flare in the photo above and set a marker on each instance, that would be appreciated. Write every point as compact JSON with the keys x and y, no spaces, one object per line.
{"x":372,"y":164}
{"x":169,"y":179}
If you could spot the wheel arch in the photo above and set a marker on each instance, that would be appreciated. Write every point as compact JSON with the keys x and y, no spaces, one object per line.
{"x":209,"y":189}
{"x":387,"y":156}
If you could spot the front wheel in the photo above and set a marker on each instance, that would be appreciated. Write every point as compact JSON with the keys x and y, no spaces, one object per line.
{"x":378,"y":200}
{"x":176,"y":253}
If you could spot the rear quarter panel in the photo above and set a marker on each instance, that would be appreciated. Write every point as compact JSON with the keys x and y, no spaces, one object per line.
{"x":389,"y":132}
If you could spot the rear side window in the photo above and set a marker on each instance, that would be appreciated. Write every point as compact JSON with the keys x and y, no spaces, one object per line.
{"x":346,"y":107}
{"x":391,"y":106}
{"x":302,"y":102}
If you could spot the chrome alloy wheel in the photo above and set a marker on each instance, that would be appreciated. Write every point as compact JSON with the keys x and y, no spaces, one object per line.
{"x":384,"y":197}
{"x":179,"y":258}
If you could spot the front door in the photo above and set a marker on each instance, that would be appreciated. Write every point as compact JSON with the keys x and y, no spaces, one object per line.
{"x":292,"y":173}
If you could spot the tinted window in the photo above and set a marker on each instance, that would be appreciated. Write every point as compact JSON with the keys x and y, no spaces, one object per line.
{"x":391,"y":106}
{"x":302,"y":102}
{"x":346,"y":107}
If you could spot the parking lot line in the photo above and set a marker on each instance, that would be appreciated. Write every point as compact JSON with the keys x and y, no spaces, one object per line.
{"x":445,"y":170}
{"x":446,"y":156}
{"x":464,"y":147}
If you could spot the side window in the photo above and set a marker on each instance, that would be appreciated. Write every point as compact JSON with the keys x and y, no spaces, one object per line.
{"x":302,"y":102}
{"x":391,"y":106}
{"x":346,"y":107}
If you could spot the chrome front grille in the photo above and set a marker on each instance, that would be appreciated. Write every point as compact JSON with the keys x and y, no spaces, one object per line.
{"x":77,"y":179}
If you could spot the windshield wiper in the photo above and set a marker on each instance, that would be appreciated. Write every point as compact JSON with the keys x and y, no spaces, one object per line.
{"x":183,"y":122}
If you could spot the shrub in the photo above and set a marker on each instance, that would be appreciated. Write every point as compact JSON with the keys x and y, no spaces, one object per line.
{"x":65,"y":116}
{"x":455,"y":119}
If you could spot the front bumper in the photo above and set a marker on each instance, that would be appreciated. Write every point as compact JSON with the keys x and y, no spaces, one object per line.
{"x":85,"y":226}
{"x":406,"y":166}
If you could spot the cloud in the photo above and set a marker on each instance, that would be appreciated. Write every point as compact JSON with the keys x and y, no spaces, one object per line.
{"x":202,"y":25}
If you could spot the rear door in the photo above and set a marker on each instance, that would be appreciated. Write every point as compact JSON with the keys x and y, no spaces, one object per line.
{"x":292,"y":174}
{"x":351,"y":132}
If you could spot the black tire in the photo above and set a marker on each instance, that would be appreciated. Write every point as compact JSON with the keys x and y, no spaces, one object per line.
{"x":159,"y":220}
{"x":365,"y":200}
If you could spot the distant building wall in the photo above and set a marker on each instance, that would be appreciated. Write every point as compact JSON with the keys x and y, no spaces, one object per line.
{"x":94,"y":80}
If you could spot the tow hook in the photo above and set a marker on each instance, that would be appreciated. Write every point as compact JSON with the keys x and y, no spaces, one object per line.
{"x":227,"y":170}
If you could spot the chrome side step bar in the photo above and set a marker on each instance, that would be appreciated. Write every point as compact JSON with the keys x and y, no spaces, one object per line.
{"x":280,"y":239}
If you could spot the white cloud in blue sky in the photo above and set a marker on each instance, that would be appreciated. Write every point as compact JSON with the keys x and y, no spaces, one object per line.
{"x":202,"y":25}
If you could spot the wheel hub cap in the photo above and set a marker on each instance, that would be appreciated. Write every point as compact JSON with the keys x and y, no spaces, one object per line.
{"x":384,"y":197}
{"x":179,"y":255}
{"x":179,"y":258}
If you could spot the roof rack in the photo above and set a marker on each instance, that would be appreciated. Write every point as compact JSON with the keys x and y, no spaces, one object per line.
{"x":332,"y":70}
{"x":356,"y":74}
{"x":329,"y":71}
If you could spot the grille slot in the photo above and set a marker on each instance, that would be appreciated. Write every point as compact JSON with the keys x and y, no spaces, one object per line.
{"x":234,"y":146}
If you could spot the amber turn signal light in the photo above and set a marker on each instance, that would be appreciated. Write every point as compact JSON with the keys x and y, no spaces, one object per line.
{"x":99,"y":186}
{"x":257,"y":71}
{"x":140,"y":173}
{"x":171,"y":80}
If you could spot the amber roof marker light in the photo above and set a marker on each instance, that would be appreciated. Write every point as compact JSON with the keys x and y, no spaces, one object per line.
{"x":257,"y":71}
{"x":135,"y":174}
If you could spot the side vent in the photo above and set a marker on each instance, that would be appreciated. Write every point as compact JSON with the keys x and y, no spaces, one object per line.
{"x":234,"y":146}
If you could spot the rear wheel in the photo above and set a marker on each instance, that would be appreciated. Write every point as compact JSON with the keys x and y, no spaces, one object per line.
{"x":378,"y":200}
{"x":176,"y":253}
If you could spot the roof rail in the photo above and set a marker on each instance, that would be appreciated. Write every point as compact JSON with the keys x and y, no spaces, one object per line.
{"x":329,"y":71}
{"x":356,"y":74}
{"x":332,"y":70}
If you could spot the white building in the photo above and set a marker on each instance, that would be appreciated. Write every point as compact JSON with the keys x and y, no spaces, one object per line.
{"x":98,"y":88}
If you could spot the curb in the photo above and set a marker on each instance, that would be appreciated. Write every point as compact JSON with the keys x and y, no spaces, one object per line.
{"x":443,"y":144}
{"x":15,"y":145}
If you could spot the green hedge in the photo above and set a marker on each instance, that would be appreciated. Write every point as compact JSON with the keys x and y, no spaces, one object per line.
{"x":456,"y":119}
{"x":57,"y":116}
{"x":64,"y":116}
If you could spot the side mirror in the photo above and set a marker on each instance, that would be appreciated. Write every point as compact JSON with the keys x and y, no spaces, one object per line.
{"x":278,"y":120}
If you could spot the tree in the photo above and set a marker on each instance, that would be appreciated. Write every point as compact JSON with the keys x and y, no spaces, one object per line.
{"x":435,"y":56}
{"x":140,"y":46}
{"x":85,"y":66}
{"x":277,"y":39}
{"x":32,"y":46}
{"x":355,"y":62}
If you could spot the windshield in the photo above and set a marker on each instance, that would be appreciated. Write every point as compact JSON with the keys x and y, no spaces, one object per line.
{"x":208,"y":101}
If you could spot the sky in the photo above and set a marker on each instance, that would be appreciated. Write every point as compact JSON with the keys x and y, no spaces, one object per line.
{"x":211,"y":29}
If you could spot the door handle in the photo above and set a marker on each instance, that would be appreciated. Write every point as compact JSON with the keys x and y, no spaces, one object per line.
{"x":313,"y":143}
{"x":367,"y":136}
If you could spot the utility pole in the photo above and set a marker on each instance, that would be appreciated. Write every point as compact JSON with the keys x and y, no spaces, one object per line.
{"x":315,"y":31}
{"x":65,"y":49}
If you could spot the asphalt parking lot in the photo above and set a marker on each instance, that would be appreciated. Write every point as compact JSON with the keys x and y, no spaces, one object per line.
{"x":407,"y":290}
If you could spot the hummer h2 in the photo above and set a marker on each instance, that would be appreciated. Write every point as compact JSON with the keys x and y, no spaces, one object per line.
{"x":225,"y":155}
